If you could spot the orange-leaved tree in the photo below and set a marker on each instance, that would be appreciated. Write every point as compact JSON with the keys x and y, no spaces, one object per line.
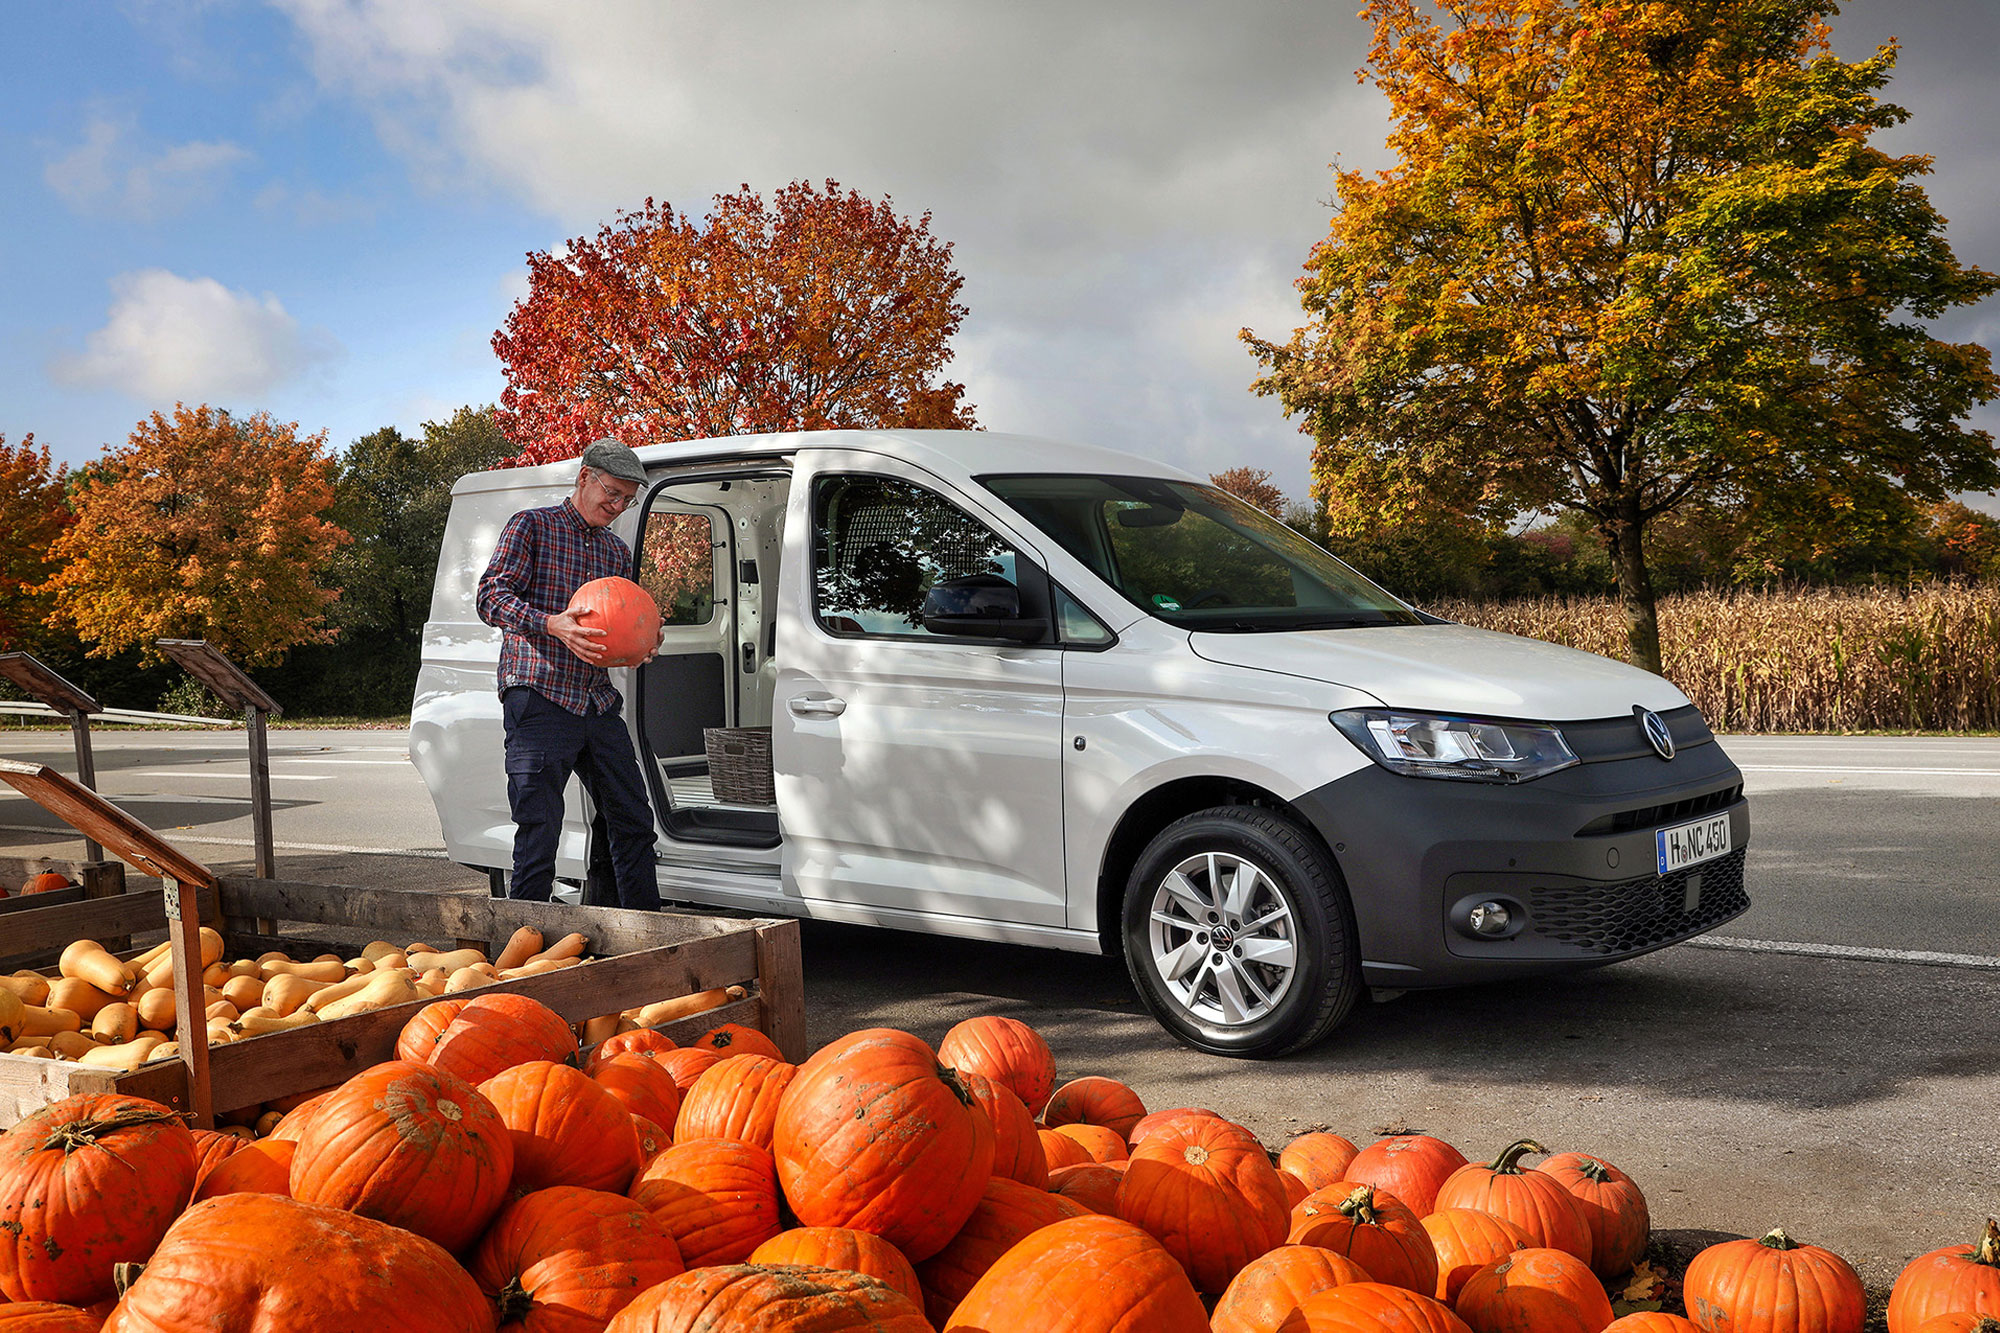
{"x":1632,"y":255}
{"x":204,"y":526}
{"x":33,"y":514}
{"x":819,"y":309}
{"x":1252,"y":485}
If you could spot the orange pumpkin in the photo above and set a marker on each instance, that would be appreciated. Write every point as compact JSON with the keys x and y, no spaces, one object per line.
{"x":1272,"y":1287}
{"x":86,"y":1183}
{"x":1094,"y":1100}
{"x":737,"y":1097}
{"x":48,"y":881}
{"x":1533,"y":1200}
{"x":1536,"y":1290}
{"x":843,"y":1248}
{"x":1083,"y":1275}
{"x":746,"y":1297}
{"x":1371,"y":1227}
{"x":1100,"y":1142}
{"x":876,"y":1135}
{"x":1957,"y":1278}
{"x":1153,"y":1120}
{"x":1409,"y":1166}
{"x":255,"y":1170}
{"x":643,"y":1088}
{"x":1091,"y":1184}
{"x":627,"y":614}
{"x":567,"y":1130}
{"x":1467,"y":1240}
{"x":1005,"y":1050}
{"x":1653,"y":1321}
{"x":258,"y":1261}
{"x":409,"y":1145}
{"x":1961,"y":1322}
{"x":735,"y":1039}
{"x":1318,"y":1158}
{"x":685,"y":1065}
{"x":45,"y":1316}
{"x":1206,"y":1190}
{"x":635,"y":1042}
{"x":1060,"y":1150}
{"x":568,"y":1258}
{"x":496,"y":1032}
{"x":718,"y":1198}
{"x":1008,"y":1213}
{"x":1017,"y":1144}
{"x":1774,"y":1283}
{"x":1371,"y":1307}
{"x":1612,"y":1206}
{"x":420,"y":1035}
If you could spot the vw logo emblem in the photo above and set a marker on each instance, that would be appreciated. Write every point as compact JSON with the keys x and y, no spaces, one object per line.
{"x":1656,"y":731}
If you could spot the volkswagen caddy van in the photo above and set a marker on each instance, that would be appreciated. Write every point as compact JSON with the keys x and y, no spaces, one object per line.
{"x":1049,"y":694}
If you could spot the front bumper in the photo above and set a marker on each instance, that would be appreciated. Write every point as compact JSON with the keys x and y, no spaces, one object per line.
{"x":1573,"y":853}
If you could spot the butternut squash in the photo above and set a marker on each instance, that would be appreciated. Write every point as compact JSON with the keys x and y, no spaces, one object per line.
{"x":599,"y":1028}
{"x":115,"y":1024}
{"x":246,"y":967}
{"x":221,"y":1034}
{"x":216,"y":975}
{"x":374,"y":949}
{"x":32,"y":1050}
{"x":284,"y":993}
{"x":359,"y":964}
{"x":79,"y":997}
{"x":125,"y":1056}
{"x":142,"y":961}
{"x":535,"y":967}
{"x":243,"y":992}
{"x":569,"y":946}
{"x":340,"y":990}
{"x":449,"y":962}
{"x":166,"y":1050}
{"x":266,"y":1123}
{"x":625,"y":1025}
{"x":329,"y":971}
{"x":417,"y":946}
{"x":467,"y":978}
{"x":383,"y":989}
{"x":224,"y":1010}
{"x":157,"y":1009}
{"x":33,"y":989}
{"x":244,"y":1132}
{"x":666,"y":1011}
{"x":86,"y":960}
{"x":71,"y":1045}
{"x":257,"y":1022}
{"x":522,"y":945}
{"x":161,"y":970}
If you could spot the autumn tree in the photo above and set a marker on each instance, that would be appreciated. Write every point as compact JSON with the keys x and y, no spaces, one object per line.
{"x":33,"y":514}
{"x":204,"y":525}
{"x":1253,"y":486}
{"x":1631,"y":254}
{"x":819,"y":309}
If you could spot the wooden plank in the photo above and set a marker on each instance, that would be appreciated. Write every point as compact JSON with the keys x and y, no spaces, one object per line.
{"x":278,"y":1064}
{"x":58,"y":927}
{"x":48,"y":898}
{"x":780,"y":992}
{"x":27,"y":1084}
{"x":436,"y":917}
{"x":190,"y":1020}
{"x":99,"y":820}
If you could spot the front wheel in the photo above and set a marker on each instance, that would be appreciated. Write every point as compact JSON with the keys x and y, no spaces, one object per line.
{"x":1238,"y":933}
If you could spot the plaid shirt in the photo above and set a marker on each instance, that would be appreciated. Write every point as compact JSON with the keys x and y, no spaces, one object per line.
{"x":543,"y":557}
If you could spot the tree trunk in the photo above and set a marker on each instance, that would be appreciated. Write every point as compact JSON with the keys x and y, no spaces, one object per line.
{"x":1626,"y":533}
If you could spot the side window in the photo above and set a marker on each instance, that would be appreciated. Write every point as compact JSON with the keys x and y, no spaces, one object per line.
{"x":1076,"y":624}
{"x":880,"y":544}
{"x":677,"y":566}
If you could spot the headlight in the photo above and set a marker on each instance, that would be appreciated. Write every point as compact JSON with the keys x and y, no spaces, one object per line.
{"x":1468,"y":749}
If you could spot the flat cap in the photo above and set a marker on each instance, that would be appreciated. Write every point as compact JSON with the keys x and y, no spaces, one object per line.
{"x":614,"y":460}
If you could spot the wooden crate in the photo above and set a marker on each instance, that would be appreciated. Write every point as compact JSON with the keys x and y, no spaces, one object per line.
{"x":640,"y":957}
{"x":91,"y":879}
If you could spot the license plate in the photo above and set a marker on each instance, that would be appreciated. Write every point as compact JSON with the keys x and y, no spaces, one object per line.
{"x":1685,"y":845}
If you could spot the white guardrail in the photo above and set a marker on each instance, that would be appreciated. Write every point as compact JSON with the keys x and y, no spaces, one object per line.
{"x":129,"y":715}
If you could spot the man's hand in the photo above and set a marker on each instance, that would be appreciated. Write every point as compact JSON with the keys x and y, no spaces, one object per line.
{"x":577,"y":637}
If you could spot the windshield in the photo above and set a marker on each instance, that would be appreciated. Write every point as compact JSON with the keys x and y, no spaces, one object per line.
{"x":1196,"y":556}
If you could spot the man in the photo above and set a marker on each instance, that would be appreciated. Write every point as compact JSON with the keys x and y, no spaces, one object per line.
{"x":562,"y":715}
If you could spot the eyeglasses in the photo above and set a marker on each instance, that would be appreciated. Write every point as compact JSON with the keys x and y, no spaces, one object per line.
{"x":617,"y":499}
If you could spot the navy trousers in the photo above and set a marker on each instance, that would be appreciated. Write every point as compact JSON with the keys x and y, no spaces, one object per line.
{"x":546,"y":743}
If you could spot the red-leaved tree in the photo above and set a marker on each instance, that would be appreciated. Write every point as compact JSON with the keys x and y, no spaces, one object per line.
{"x":32,"y":514}
{"x":1252,"y":485}
{"x":820,"y":309}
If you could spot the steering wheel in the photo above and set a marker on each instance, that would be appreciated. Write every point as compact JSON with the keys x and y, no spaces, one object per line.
{"x":1207,"y":595}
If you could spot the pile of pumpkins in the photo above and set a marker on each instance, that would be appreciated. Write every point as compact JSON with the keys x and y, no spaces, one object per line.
{"x":99,"y":1009}
{"x":497,"y":1177}
{"x":43,"y":881}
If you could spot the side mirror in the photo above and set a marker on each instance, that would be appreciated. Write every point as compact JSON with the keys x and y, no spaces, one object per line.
{"x":979,"y":606}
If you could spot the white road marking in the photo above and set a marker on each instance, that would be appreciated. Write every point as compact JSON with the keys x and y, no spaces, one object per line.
{"x":237,"y":777}
{"x":386,"y":763}
{"x":205,"y":840}
{"x":1850,"y":952}
{"x":1844,"y":768}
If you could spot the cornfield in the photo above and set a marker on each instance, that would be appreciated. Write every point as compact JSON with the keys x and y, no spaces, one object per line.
{"x":1823,"y":660}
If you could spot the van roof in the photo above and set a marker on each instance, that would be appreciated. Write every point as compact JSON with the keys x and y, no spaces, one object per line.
{"x":948,"y":452}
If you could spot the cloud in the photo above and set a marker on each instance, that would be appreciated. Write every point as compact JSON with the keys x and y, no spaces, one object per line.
{"x":170,"y":338}
{"x":110,"y":172}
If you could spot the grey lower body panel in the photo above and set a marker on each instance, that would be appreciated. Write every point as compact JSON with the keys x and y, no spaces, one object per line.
{"x":1572,"y":855}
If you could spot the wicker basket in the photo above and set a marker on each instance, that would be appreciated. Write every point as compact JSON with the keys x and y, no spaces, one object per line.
{"x":739,"y":764}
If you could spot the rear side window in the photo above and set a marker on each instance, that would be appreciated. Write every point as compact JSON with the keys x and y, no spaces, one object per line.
{"x":677,"y":566}
{"x":879,"y":544}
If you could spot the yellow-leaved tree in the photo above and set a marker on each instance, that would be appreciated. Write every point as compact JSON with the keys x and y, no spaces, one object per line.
{"x":203,"y":526}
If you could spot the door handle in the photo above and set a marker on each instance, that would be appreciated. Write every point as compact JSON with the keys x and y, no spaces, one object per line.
{"x":816,"y":707}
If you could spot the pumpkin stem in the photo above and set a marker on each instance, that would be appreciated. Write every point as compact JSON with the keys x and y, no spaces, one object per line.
{"x":124,"y":1275}
{"x":1360,"y":1205}
{"x":956,"y":1084}
{"x":1776,"y":1239}
{"x":1594,"y":1171}
{"x":1508,"y":1162}
{"x":514,"y":1302}
{"x":1989,"y":1245}
{"x":77,"y":1134}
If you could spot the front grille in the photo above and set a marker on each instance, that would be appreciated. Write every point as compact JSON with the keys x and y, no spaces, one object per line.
{"x":1653,"y":816}
{"x":1637,"y":914}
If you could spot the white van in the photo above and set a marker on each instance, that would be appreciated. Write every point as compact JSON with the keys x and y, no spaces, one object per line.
{"x":1054,"y":695}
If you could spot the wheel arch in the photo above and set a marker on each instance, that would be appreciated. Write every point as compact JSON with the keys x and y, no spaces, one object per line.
{"x":1152,"y":812}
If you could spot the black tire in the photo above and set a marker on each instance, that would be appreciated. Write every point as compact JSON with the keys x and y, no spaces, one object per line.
{"x":1237,"y":1008}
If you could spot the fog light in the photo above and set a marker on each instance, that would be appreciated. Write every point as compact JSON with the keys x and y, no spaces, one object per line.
{"x":1491,"y":919}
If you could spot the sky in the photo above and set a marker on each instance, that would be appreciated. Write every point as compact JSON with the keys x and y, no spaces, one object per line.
{"x":321,"y":208}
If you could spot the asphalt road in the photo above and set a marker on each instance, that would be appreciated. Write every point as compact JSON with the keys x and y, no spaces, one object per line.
{"x":1828,"y":1061}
